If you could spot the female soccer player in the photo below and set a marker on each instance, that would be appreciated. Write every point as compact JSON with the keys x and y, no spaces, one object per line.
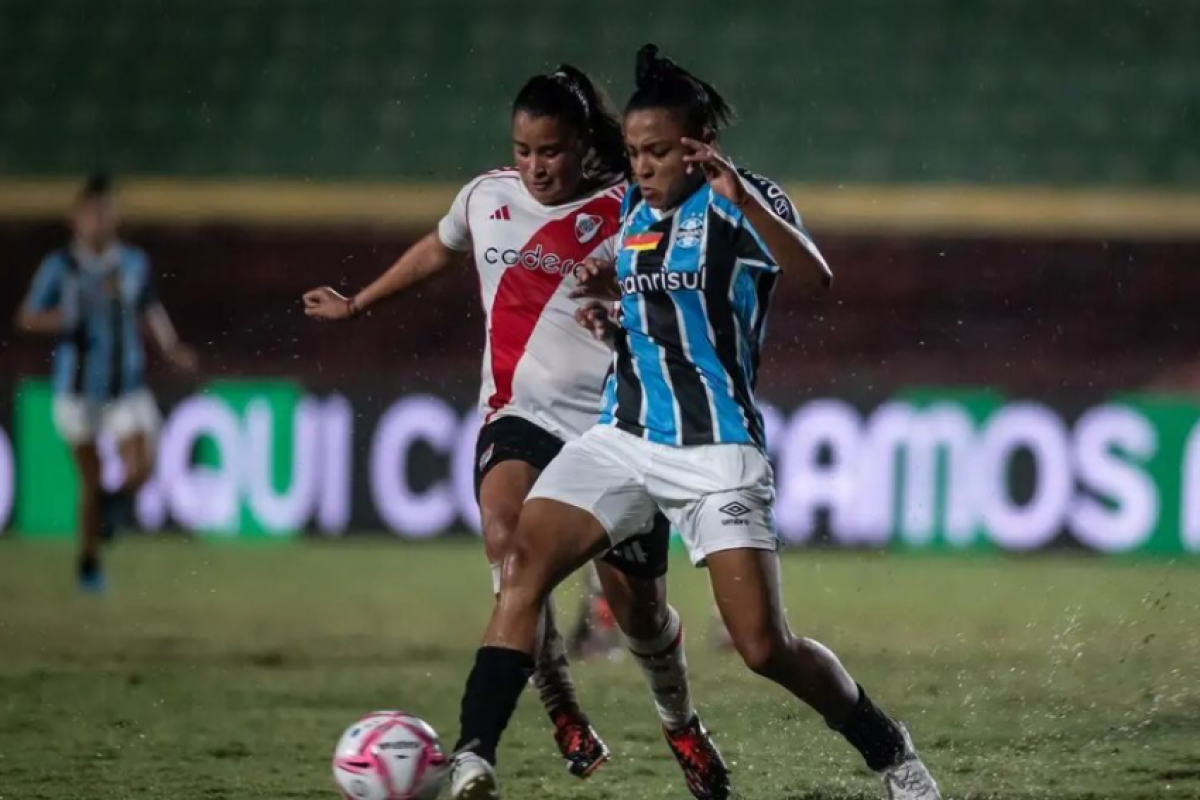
{"x":702,"y":244}
{"x":94,"y":295}
{"x":528,"y":228}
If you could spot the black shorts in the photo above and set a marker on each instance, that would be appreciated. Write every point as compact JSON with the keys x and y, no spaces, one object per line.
{"x":516,"y":439}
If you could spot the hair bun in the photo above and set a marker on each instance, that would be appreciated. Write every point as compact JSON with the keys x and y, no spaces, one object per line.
{"x":649,"y":67}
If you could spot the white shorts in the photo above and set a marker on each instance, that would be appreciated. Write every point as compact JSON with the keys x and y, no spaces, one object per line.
{"x":719,"y":496}
{"x":80,"y":421}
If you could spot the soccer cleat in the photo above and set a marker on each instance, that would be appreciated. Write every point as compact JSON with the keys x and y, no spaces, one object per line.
{"x":703,"y":767}
{"x":472,"y":778}
{"x":908,"y":779}
{"x":580,"y":745}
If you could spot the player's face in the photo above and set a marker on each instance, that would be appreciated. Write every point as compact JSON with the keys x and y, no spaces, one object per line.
{"x":95,"y":222}
{"x":653,"y":140}
{"x":549,"y":157}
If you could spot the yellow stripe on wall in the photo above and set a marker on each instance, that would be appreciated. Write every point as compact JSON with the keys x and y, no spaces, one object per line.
{"x":859,"y":209}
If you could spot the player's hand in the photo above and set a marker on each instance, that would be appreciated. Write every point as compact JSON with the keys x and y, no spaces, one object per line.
{"x":718,"y":171}
{"x":327,"y":304}
{"x":184,"y":358}
{"x":596,"y":278}
{"x":596,"y":317}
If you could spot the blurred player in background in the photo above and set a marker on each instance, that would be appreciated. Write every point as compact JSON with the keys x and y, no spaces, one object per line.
{"x":93,"y":297}
{"x":702,"y":245}
{"x":527,"y":229}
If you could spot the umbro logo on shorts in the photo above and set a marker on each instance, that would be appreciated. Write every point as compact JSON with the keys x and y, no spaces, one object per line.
{"x":734,"y":512}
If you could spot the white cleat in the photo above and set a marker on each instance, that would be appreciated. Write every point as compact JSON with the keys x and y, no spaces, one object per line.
{"x":472,"y":778}
{"x":909,"y":779}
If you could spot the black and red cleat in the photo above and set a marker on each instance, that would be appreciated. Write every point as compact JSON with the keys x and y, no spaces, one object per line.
{"x":580,"y":745}
{"x":703,"y":768}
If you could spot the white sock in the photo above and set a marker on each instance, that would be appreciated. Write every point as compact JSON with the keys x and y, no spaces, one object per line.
{"x":664,"y":664}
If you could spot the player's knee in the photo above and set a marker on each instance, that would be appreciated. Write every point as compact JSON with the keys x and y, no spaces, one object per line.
{"x":641,"y":613}
{"x":525,"y":568}
{"x":764,"y":652}
{"x":498,"y":528}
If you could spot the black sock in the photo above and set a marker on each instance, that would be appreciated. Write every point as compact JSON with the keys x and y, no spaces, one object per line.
{"x":493,"y":688}
{"x":116,"y":512}
{"x":89,"y":566}
{"x":874,"y":734}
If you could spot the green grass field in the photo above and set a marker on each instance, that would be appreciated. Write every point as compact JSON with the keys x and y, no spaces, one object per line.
{"x":226,"y":672}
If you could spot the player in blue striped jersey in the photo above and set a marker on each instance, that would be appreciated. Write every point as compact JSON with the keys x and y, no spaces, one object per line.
{"x":695,"y":282}
{"x":93,"y":297}
{"x":703,"y":243}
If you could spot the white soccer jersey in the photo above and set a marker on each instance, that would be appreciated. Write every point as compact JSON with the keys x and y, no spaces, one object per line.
{"x":538,"y":363}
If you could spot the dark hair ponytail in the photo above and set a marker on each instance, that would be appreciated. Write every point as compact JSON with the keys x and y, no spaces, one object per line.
{"x":661,"y":83}
{"x":570,"y":95}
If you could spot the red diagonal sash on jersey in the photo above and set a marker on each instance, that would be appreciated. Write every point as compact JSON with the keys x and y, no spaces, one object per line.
{"x":523,"y":293}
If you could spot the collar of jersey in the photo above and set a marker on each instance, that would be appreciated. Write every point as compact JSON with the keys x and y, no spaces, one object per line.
{"x":659,"y":216}
{"x":110,"y":259}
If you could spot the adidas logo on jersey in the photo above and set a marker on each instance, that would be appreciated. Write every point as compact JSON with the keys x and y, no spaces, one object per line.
{"x":501,"y":213}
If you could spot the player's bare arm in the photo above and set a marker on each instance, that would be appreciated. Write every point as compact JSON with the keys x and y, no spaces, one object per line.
{"x":426,"y":258}
{"x":791,"y":251}
{"x":182,"y":357}
{"x":41,"y":323}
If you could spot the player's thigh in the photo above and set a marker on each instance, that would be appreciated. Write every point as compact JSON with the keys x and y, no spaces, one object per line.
{"x":502,"y":492}
{"x":633,"y":576}
{"x":553,"y":539}
{"x":746,"y":587}
{"x":76,"y":420}
{"x":136,"y":456}
{"x":510,"y":454}
{"x":133,"y":416}
{"x":602,"y":480}
{"x":720,"y":497}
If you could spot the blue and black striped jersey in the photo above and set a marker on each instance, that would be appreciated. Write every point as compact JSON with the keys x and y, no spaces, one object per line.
{"x":696,"y":282}
{"x":100,"y":357}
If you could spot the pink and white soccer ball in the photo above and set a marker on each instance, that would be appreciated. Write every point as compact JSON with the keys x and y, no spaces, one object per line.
{"x":389,"y":755}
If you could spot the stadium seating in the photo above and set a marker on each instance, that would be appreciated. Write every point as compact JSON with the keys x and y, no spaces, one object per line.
{"x":1021,"y":91}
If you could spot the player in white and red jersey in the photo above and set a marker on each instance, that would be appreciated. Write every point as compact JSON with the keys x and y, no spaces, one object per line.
{"x":526,"y":229}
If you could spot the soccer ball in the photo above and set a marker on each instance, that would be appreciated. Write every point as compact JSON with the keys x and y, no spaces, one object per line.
{"x":389,"y":755}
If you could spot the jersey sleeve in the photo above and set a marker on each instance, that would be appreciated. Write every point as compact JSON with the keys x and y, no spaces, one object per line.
{"x":46,"y":291}
{"x":454,"y":230}
{"x":750,"y":246}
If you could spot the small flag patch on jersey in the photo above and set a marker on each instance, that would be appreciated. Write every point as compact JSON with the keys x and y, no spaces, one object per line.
{"x":643,"y":241}
{"x":501,"y":213}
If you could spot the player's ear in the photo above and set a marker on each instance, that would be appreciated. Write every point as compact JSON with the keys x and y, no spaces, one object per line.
{"x":709,"y":136}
